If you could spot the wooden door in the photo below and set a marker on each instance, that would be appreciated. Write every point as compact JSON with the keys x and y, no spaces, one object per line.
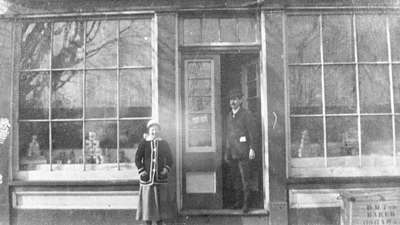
{"x":202,"y":153}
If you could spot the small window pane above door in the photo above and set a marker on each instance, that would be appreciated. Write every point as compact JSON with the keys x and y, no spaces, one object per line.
{"x":210,"y":30}
{"x":191,"y":31}
{"x":228,"y":30}
{"x":246,"y":29}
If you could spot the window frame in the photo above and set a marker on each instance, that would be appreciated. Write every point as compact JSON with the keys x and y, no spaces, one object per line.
{"x":81,"y":175}
{"x":326,"y":171}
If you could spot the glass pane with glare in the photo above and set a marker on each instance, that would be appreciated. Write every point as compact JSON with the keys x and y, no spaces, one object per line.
{"x":303,"y":38}
{"x":34,"y":95}
{"x":305,"y":90}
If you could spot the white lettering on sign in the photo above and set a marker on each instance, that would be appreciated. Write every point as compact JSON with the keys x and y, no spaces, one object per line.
{"x":4,"y":129}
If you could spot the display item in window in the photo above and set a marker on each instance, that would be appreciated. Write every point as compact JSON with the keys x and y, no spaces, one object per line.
{"x":153,"y":160}
{"x":240,"y":152}
{"x":304,"y":142}
{"x":350,"y":142}
{"x":4,"y":129}
{"x":93,"y":150}
{"x":123,"y":158}
{"x":33,"y":155}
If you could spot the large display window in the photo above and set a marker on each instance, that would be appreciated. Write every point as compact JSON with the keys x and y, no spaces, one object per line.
{"x":85,"y":91}
{"x":343,"y":80}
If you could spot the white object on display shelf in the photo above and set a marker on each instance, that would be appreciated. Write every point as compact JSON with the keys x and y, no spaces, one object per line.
{"x":4,"y":129}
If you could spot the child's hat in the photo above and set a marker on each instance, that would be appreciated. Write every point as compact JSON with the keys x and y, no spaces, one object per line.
{"x":153,"y":122}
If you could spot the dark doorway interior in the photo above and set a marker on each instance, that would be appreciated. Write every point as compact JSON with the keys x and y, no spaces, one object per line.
{"x":241,"y":71}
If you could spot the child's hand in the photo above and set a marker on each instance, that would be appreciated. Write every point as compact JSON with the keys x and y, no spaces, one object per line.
{"x":144,"y":176}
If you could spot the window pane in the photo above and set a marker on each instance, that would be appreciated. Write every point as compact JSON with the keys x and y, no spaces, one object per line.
{"x":100,"y":143}
{"x":371,"y":38}
{"x":67,"y":91}
{"x":374,"y":88}
{"x":199,"y":87}
{"x":246,"y":29}
{"x":397,"y":125}
{"x":252,"y":89}
{"x":136,"y":93}
{"x":101,"y":93}
{"x":198,"y":69}
{"x":131,"y":133}
{"x":101,"y":44}
{"x":306,"y":137}
{"x":67,"y":145}
{"x":34,"y":95}
{"x":340,"y":89}
{"x":199,"y":121}
{"x":305,"y":90}
{"x":199,"y":138}
{"x":342,"y":141}
{"x":34,"y":146}
{"x":228,"y":30}
{"x":35,"y":46}
{"x":135,"y":42}
{"x":68,"y":45}
{"x":191,"y":31}
{"x":337,"y":38}
{"x":396,"y":87}
{"x":303,"y":39}
{"x":377,"y":141}
{"x":394,"y":24}
{"x":210,"y":30}
{"x":199,"y":104}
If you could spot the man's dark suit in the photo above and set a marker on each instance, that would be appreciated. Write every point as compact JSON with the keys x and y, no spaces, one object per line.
{"x":241,"y":137}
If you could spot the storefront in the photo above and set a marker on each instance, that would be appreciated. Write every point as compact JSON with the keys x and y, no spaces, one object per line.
{"x":79,"y":81}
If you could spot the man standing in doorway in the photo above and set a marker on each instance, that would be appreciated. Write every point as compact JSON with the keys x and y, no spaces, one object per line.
{"x":241,"y":141}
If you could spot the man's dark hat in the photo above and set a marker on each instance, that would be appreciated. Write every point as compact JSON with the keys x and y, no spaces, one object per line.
{"x":235,"y":93}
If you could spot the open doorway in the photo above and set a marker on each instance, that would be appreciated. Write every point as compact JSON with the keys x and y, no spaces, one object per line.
{"x":207,"y":79}
{"x":241,"y":72}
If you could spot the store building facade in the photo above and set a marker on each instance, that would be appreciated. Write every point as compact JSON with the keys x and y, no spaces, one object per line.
{"x":79,"y":81}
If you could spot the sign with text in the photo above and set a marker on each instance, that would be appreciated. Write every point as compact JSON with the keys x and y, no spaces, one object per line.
{"x":379,"y":207}
{"x":383,"y":212}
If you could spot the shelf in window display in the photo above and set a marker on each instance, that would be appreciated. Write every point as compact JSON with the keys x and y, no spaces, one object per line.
{"x":79,"y":167}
